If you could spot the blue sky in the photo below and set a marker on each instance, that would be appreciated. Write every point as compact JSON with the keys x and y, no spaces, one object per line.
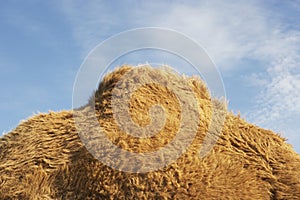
{"x":255,"y":45}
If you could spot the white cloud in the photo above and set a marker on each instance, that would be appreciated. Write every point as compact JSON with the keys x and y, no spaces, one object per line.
{"x":279,"y":98}
{"x":229,"y":31}
{"x":280,"y":95}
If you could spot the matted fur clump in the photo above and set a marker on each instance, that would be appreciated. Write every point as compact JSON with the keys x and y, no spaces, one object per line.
{"x":44,"y":158}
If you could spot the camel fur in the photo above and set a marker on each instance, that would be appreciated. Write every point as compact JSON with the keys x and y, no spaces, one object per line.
{"x":44,"y":157}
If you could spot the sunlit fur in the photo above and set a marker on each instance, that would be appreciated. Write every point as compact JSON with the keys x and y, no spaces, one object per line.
{"x":44,"y":158}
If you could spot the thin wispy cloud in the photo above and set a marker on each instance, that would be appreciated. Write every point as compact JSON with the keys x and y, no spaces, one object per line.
{"x":229,"y":32}
{"x":280,"y":92}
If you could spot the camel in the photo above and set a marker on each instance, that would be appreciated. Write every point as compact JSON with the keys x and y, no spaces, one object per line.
{"x":45,"y":157}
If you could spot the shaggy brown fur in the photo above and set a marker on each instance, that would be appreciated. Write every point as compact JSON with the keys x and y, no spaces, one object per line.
{"x":43,"y":158}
